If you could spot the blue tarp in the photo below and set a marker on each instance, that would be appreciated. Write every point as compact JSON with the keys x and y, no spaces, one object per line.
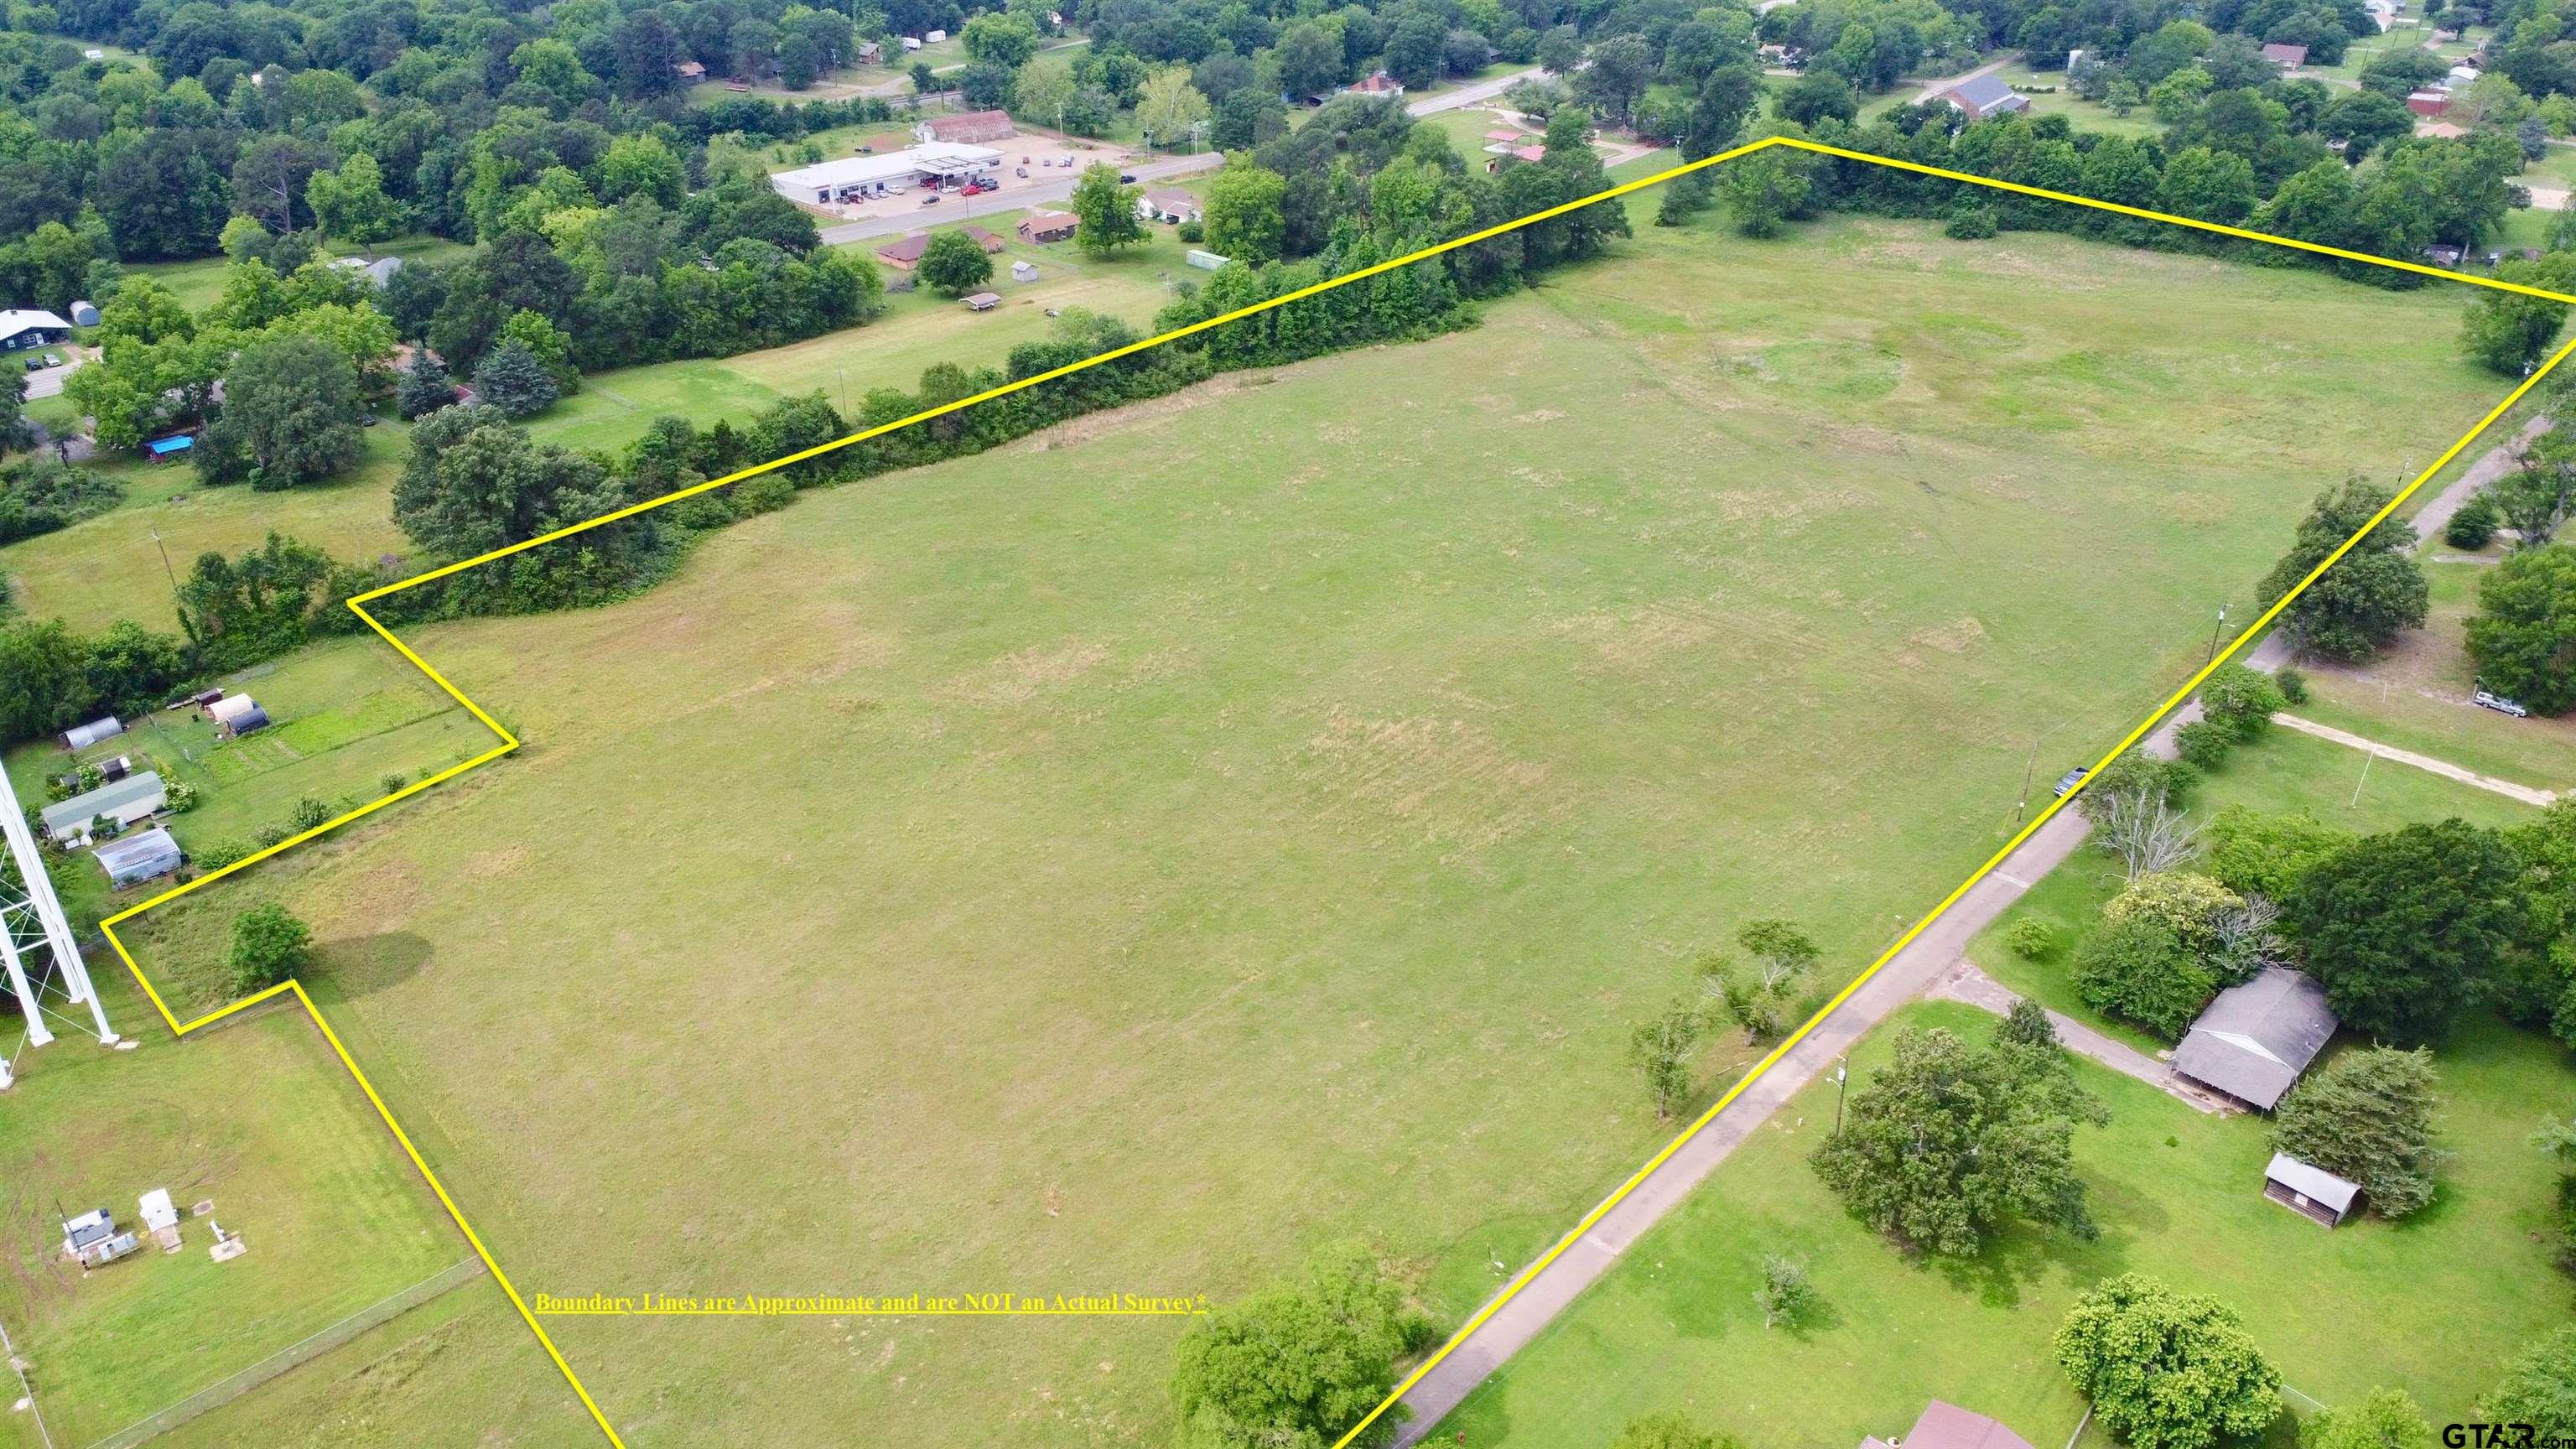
{"x":164,"y":447}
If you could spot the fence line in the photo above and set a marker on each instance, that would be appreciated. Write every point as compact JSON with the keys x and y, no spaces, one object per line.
{"x":233,"y":1386}
{"x":11,"y":1349}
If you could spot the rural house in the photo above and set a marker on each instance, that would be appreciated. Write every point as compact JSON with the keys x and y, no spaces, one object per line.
{"x":22,"y":329}
{"x":2308,"y":1190}
{"x":1049,"y":226}
{"x":974,"y":128}
{"x":133,"y":798}
{"x":689,"y":70}
{"x":2255,"y":1039}
{"x":1947,"y":1426}
{"x":2287,"y":57}
{"x":1167,"y":206}
{"x":1981,"y":96}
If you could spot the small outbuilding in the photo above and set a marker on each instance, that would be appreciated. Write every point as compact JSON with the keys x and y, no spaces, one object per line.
{"x":93,"y":1239}
{"x":1024,"y":271}
{"x":2288,"y":57}
{"x":231,"y":707}
{"x":982,"y":301}
{"x":81,"y":737}
{"x":84,"y":314}
{"x":136,"y":797}
{"x":1205,"y":261}
{"x":2255,"y":1039}
{"x":139,"y":857}
{"x":2310,"y":1191}
{"x":2428,"y":103}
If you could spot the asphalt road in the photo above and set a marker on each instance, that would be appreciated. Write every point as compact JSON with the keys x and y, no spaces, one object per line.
{"x":1468,"y":95}
{"x":1014,"y":198}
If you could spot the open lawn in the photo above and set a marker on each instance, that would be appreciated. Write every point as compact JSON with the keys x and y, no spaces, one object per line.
{"x":2178,"y":1196}
{"x":1121,"y":860}
{"x":920,"y":328}
{"x":258,"y":1117}
{"x":112,"y":567}
{"x":2415,"y":696}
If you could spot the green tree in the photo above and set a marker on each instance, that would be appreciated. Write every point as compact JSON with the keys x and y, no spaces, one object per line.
{"x":1662,"y":1051}
{"x":2510,"y":333}
{"x":2253,"y":853}
{"x":513,"y":380}
{"x":999,"y":38}
{"x":2473,"y":523}
{"x":2523,"y":636}
{"x":2164,"y":1369}
{"x":350,"y":203}
{"x":269,"y":946}
{"x":2140,"y":969}
{"x":288,"y":404}
{"x":2383,"y":1419}
{"x":425,"y":386}
{"x":954,"y":264}
{"x":2368,"y":1118}
{"x":2369,"y":595}
{"x":1767,"y":189}
{"x":1245,"y":218}
{"x":1170,"y":109}
{"x":2401,"y":927}
{"x":2240,"y":700}
{"x":1949,"y":1143}
{"x":1786,"y":1294}
{"x":2534,"y":499}
{"x":1104,"y":212}
{"x":2538,"y":1388}
{"x":1297,"y":1363}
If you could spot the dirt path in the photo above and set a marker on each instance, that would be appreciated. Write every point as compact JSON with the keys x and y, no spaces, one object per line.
{"x":1936,"y":87}
{"x":2444,"y":768}
{"x":1964,"y":982}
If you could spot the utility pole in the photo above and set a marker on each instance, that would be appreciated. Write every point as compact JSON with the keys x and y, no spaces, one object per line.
{"x":2213,"y":636}
{"x":176,"y":606}
{"x":1842,"y":1075}
{"x":2028,"y":770}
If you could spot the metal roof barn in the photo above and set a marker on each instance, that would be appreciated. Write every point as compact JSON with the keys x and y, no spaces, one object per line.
{"x":133,"y":798}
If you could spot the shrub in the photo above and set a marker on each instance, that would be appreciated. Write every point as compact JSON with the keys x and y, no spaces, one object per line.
{"x":706,"y":511}
{"x":2186,"y":901}
{"x":179,"y":796}
{"x":1971,"y":223}
{"x":765,"y":494}
{"x":2292,"y":684}
{"x":269,"y":945}
{"x":2203,"y":744}
{"x":310,"y":813}
{"x":1786,"y":1294}
{"x":268,"y":835}
{"x":2473,"y":525}
{"x":393,"y":783}
{"x":220,"y":854}
{"x":2031,"y":940}
{"x":2240,"y":700}
{"x":1193,"y":233}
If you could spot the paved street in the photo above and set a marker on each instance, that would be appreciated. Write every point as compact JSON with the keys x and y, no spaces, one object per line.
{"x":1469,"y":95}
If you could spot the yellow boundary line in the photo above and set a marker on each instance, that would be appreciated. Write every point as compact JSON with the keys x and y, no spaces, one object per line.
{"x":510,"y":742}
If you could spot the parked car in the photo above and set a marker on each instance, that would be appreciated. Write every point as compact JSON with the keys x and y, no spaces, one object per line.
{"x":2071,"y":779}
{"x":34,"y":363}
{"x":2501,"y":705}
{"x":53,"y":360}
{"x":1126,"y":178}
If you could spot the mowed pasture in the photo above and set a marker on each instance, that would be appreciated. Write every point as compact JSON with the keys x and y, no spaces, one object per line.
{"x":1124,"y":860}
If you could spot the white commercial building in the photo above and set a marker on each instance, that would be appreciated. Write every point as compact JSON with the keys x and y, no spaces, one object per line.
{"x":856,"y":178}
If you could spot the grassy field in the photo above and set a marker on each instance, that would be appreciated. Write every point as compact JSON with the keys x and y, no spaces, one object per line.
{"x":1124,"y":859}
{"x":259,"y":1118}
{"x":2177,"y":1193}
